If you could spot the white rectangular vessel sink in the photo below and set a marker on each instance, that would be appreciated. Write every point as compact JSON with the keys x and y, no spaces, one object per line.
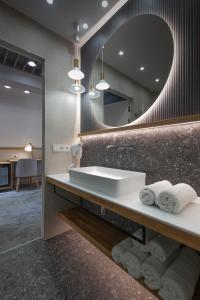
{"x":114,"y":182}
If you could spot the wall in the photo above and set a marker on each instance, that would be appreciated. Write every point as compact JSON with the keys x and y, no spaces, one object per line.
{"x":61,"y":113}
{"x":20,"y":119}
{"x":181,"y":94}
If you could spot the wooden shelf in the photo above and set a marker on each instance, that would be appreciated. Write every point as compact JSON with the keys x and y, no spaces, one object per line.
{"x":102,"y":235}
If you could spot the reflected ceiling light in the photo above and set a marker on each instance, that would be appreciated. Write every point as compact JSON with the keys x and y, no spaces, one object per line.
{"x":50,"y":1}
{"x":26,"y":92}
{"x":32,"y":63}
{"x":141,"y":68}
{"x":104,"y":3}
{"x":121,"y":53}
{"x":93,"y":93}
{"x":77,"y":88}
{"x":157,"y":80}
{"x":7,"y":87}
{"x":102,"y":84}
{"x":85,"y":26}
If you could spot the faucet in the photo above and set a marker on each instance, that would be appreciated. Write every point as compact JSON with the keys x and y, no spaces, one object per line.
{"x":120,"y":147}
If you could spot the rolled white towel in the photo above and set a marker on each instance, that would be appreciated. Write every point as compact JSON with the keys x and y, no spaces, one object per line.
{"x":162,"y":247}
{"x":132,"y":261}
{"x":119,"y":249}
{"x":179,"y":281}
{"x":152,"y":270}
{"x":150,"y":234}
{"x":175,"y":198}
{"x":149,"y":193}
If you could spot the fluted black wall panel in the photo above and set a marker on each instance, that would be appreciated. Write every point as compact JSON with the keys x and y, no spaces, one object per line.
{"x":181,"y":94}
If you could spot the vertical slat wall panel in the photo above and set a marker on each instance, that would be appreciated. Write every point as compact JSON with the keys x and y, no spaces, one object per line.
{"x":181,"y":94}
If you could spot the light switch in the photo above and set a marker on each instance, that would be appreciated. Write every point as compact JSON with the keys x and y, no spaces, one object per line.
{"x":61,"y":148}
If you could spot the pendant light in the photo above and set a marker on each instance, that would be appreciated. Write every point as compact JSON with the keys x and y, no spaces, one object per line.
{"x":102,"y":85}
{"x":93,"y":93}
{"x":77,"y":88}
{"x":76,"y":73}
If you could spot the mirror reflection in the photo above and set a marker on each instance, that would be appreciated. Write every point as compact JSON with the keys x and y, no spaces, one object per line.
{"x":131,"y":70}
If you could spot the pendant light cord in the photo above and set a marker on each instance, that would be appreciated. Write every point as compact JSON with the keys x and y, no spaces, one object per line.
{"x":102,"y":60}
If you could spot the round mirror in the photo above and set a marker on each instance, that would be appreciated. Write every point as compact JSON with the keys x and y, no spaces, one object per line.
{"x":131,"y":70}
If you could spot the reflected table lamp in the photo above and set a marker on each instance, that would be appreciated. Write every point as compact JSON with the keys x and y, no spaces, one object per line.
{"x":29,"y":148}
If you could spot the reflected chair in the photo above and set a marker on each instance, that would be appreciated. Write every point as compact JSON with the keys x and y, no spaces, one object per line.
{"x":26,"y":168}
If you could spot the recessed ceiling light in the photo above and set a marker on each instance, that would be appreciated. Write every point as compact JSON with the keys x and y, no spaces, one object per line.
{"x":157,"y":80}
{"x":50,"y":1}
{"x":26,"y":92}
{"x":7,"y":87}
{"x":121,"y":52}
{"x":104,"y":3}
{"x":32,"y":63}
{"x":141,"y":68}
{"x":85,"y":26}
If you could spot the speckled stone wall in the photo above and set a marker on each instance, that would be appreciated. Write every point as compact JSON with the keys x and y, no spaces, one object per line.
{"x":170,"y":152}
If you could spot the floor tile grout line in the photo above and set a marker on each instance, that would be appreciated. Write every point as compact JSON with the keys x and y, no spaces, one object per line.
{"x":21,"y":245}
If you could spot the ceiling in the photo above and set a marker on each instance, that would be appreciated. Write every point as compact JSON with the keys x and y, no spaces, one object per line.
{"x":61,"y":16}
{"x":146,"y":41}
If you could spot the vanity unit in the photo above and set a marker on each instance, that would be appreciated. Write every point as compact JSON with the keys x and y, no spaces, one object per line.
{"x":184,"y":228}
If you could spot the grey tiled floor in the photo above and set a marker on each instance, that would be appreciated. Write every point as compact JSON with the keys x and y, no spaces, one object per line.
{"x":64,"y":268}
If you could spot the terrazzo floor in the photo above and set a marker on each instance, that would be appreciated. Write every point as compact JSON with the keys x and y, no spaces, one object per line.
{"x":66,"y":267}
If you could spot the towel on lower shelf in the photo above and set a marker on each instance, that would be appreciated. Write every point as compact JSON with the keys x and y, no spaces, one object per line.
{"x":152,"y":270}
{"x":162,"y":247}
{"x":149,"y":193}
{"x":119,"y":249}
{"x":175,"y":198}
{"x":149,"y":235}
{"x":132,"y":261}
{"x":179,"y":282}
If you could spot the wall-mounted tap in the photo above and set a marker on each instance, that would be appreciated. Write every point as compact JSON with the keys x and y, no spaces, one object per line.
{"x":119,"y":147}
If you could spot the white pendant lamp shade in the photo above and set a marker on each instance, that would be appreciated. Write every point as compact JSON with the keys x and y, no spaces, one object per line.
{"x":93,"y":93}
{"x":102,"y":85}
{"x":77,"y":88}
{"x":76,"y":73}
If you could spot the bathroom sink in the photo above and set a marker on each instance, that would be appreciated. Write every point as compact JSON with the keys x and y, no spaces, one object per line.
{"x":114,"y":182}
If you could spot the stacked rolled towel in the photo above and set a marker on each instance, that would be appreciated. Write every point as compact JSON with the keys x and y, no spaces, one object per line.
{"x":150,"y":192}
{"x":152,"y":270}
{"x":179,"y":281}
{"x":175,"y":198}
{"x":149,"y":236}
{"x":162,"y":247}
{"x":119,"y":249}
{"x":132,"y":261}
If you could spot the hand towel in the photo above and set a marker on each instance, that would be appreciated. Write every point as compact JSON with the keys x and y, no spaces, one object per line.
{"x":149,"y":193}
{"x":152,"y":270}
{"x":179,"y":281}
{"x":150,"y":234}
{"x":132,"y":260}
{"x":162,"y":247}
{"x":120,"y":248}
{"x":175,"y":198}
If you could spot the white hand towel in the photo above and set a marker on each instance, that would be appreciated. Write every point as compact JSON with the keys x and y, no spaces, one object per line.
{"x":179,"y":282}
{"x":162,"y":247}
{"x":149,"y":193}
{"x":149,"y":236}
{"x":132,"y":261}
{"x":175,"y":198}
{"x":152,"y":270}
{"x":119,"y":249}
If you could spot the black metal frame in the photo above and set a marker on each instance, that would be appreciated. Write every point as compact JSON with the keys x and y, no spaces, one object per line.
{"x":141,"y":241}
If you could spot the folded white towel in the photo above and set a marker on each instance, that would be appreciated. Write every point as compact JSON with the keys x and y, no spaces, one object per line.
{"x":150,"y":234}
{"x":162,"y":247}
{"x":149,"y":193}
{"x":132,"y":261}
{"x":119,"y":249}
{"x":179,"y":282}
{"x":152,"y":270}
{"x":175,"y":198}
